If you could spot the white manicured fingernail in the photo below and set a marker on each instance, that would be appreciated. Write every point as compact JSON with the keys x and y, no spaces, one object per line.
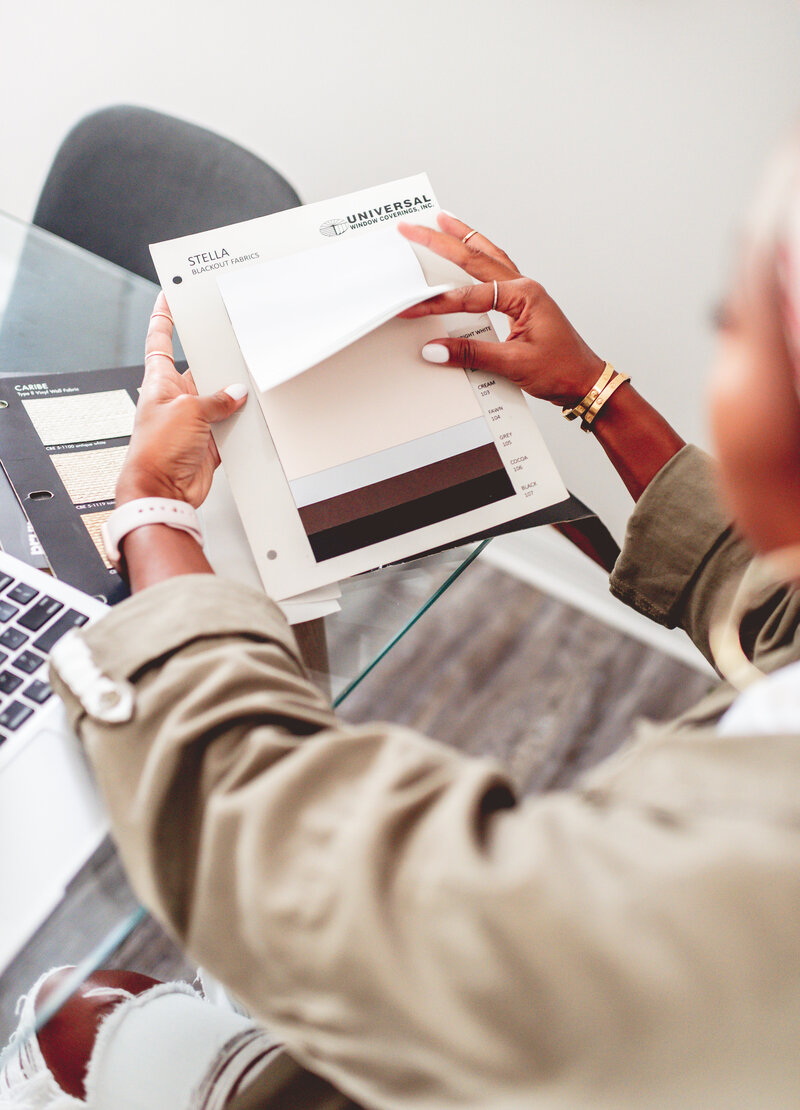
{"x":237,"y":391}
{"x":435,"y":352}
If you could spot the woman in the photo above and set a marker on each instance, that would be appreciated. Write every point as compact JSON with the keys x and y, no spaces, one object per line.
{"x":412,"y":932}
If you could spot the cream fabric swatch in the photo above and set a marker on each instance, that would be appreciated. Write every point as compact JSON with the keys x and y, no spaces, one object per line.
{"x":90,"y":475}
{"x":82,"y":418}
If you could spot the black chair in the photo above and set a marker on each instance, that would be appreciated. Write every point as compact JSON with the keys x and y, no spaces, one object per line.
{"x":122,"y":178}
{"x":125,"y":177}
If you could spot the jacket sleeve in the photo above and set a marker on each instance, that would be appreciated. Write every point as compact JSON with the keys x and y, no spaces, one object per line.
{"x":415,"y":934}
{"x":682,"y":562}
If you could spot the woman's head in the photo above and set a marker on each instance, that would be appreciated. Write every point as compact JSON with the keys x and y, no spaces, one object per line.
{"x":755,"y":386}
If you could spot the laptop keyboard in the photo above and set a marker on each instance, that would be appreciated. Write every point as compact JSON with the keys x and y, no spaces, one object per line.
{"x":31,"y":623}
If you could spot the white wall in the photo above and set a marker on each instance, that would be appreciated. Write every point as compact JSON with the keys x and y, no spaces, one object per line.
{"x":609,"y":145}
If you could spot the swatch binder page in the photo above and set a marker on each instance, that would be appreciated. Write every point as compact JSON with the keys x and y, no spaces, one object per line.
{"x":352,"y":451}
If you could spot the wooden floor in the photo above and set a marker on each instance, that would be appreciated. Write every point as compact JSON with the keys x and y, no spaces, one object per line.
{"x":495,"y":668}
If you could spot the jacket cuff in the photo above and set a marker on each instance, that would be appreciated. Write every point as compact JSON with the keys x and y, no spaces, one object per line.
{"x":159,"y":621}
{"x":677,"y":523}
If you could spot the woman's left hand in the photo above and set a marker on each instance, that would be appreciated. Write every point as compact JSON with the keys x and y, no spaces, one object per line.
{"x":544,"y":355}
{"x":172,"y":452}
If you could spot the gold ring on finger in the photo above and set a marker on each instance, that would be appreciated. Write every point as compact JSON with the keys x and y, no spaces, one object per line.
{"x":165,"y":315}
{"x":469,"y":235}
{"x":164,"y":354}
{"x":494,"y":299}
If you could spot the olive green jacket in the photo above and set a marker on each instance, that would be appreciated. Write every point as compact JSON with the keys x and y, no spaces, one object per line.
{"x":416,"y":934}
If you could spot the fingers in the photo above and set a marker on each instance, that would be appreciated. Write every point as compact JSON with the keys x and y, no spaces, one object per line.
{"x":469,"y":258}
{"x":158,"y":358}
{"x":159,"y":331}
{"x":219,"y":406}
{"x":510,"y":297}
{"x":497,"y":358}
{"x":452,"y":225}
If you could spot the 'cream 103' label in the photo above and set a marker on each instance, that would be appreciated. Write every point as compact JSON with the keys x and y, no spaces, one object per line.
{"x":507,"y":415}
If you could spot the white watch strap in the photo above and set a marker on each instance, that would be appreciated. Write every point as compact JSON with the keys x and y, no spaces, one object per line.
{"x":147,"y":510}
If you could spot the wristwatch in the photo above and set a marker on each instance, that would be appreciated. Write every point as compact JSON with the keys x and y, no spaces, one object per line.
{"x":147,"y":510}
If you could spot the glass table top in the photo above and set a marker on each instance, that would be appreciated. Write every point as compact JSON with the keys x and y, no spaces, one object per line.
{"x":63,"y":309}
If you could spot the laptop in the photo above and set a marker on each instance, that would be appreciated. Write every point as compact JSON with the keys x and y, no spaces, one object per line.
{"x":51,"y":818}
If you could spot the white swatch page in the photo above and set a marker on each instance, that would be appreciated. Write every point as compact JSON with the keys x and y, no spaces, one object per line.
{"x":291,"y":313}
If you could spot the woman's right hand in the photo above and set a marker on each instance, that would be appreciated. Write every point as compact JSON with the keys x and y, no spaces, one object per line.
{"x":172,"y":451}
{"x":544,"y":355}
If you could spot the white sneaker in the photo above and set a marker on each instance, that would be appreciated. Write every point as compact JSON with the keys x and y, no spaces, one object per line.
{"x":26,"y":1082}
{"x":197,"y":1054}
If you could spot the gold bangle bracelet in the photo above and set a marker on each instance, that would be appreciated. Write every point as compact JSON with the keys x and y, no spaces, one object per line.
{"x":611,"y":388}
{"x":599,"y":401}
{"x":590,"y":398}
